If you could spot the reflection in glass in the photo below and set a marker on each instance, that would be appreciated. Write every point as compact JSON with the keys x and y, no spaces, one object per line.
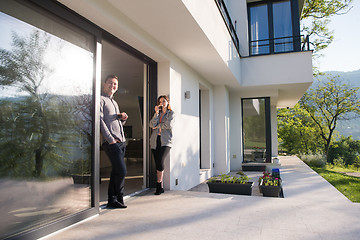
{"x":259,"y":29}
{"x":254,"y":133}
{"x":282,"y":26}
{"x":45,"y":124}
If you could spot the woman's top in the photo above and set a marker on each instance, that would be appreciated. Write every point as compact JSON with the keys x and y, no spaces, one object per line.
{"x":163,"y":128}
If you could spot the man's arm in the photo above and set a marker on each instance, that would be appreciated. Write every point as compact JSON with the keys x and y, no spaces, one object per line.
{"x":103,"y":128}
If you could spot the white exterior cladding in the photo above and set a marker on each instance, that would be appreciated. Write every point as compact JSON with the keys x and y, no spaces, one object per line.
{"x":194,"y":50}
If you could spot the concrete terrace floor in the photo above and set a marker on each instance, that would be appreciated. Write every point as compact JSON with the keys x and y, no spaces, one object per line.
{"x":312,"y":209}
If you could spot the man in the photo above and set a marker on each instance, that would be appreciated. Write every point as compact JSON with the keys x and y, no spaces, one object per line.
{"x":111,"y":126}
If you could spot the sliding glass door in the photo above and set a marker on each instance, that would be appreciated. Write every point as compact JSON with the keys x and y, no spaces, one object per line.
{"x":46,"y":127}
{"x":256,"y":130}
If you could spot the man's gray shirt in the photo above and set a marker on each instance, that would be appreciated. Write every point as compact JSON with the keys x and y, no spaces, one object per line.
{"x":110,"y":126}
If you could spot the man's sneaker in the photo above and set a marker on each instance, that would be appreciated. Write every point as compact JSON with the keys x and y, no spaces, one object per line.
{"x":116,"y":204}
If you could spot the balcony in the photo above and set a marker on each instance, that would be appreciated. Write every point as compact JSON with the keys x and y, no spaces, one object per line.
{"x":279,"y":45}
{"x":264,"y":46}
{"x":227,"y":19}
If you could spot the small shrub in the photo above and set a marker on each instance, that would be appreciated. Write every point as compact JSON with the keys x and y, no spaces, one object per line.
{"x":339,"y":162}
{"x":356,"y":163}
{"x":314,"y":160}
{"x":212,"y":179}
{"x":241,"y":173}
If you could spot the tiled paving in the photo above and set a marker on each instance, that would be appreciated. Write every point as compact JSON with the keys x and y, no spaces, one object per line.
{"x":312,"y":209}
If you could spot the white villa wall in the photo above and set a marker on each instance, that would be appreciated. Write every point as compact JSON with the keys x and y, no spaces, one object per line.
{"x":236,"y":153}
{"x":212,"y":24}
{"x":175,"y":77}
{"x":222,"y":129}
{"x":274,"y":139}
{"x":182,"y":166}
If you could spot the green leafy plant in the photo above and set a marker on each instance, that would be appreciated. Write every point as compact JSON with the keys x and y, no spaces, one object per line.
{"x":243,"y":179}
{"x":212,"y":179}
{"x":241,"y":173}
{"x":225,"y":178}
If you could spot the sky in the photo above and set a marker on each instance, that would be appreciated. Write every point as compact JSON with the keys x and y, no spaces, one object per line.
{"x":343,"y":54}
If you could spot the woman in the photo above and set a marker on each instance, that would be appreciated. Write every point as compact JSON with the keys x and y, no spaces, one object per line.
{"x":161,"y":137}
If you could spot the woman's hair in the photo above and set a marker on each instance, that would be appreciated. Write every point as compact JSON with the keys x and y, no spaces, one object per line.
{"x":166,"y":98}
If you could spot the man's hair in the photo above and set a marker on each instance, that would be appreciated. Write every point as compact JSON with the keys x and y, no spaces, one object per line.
{"x":111,"y":76}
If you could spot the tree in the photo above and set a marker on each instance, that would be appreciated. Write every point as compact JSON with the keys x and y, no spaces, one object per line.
{"x":329,"y":102}
{"x":297,"y":132}
{"x":315,"y":18}
{"x":345,"y":148}
{"x":34,"y":126}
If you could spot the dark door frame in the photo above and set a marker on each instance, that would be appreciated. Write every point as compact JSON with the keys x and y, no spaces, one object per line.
{"x":268,"y":137}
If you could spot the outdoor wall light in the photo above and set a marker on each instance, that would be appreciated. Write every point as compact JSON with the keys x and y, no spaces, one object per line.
{"x":187,"y":95}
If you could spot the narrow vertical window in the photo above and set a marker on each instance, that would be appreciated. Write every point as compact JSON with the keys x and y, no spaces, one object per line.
{"x":283,"y":31}
{"x":259,"y":29}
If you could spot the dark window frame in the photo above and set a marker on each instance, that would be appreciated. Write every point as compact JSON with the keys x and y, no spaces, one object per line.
{"x":268,"y":137}
{"x":295,"y":21}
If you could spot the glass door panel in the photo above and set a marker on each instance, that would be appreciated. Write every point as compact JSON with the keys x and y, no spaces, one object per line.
{"x":46,"y":99}
{"x":283,"y":31}
{"x":259,"y":29}
{"x":254,"y":130}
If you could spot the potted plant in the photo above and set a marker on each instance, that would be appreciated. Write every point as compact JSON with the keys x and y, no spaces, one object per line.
{"x":270,"y":186}
{"x":266,"y":175}
{"x":81,"y":171}
{"x":230,"y":185}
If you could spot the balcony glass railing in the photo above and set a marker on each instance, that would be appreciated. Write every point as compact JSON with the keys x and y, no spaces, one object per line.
{"x":227,"y":19}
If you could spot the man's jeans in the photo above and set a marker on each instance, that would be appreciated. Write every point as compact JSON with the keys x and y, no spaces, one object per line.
{"x":116,"y":153}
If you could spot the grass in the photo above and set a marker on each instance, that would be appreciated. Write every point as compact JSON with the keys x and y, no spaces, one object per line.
{"x":338,"y":168}
{"x":347,"y":185}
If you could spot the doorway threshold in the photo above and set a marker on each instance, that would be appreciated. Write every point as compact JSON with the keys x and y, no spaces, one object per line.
{"x":127,"y":197}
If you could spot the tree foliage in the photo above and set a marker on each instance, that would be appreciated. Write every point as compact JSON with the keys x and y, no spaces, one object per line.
{"x":346,"y":149}
{"x":315,"y":18}
{"x":329,"y":102}
{"x":38,"y":130}
{"x":297,"y":133}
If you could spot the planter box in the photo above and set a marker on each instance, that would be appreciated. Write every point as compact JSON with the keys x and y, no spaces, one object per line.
{"x":230,"y":188}
{"x":81,"y":179}
{"x":270,"y":191}
{"x":253,"y":167}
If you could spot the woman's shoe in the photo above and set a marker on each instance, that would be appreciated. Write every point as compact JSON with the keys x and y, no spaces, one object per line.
{"x":159,"y":189}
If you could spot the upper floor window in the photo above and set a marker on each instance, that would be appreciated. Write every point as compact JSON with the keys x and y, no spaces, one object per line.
{"x":273,"y":27}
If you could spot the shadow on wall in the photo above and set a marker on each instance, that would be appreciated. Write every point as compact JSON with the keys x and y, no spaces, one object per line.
{"x":234,"y":62}
{"x":185,"y":165}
